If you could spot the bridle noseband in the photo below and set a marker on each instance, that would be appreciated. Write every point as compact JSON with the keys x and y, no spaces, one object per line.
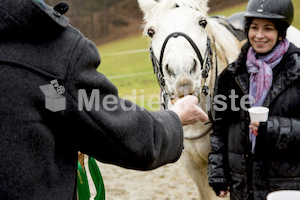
{"x":206,"y":64}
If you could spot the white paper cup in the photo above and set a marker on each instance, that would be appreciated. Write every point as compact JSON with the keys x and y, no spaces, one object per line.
{"x":284,"y":195}
{"x":258,"y":114}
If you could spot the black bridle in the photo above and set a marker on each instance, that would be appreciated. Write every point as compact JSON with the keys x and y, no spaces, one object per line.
{"x":206,"y":64}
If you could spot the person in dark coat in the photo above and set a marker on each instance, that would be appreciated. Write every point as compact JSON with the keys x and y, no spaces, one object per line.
{"x":40,"y":136}
{"x":251,"y":159}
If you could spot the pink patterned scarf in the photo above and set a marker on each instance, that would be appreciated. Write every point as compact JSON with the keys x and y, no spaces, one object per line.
{"x":261,"y":75}
{"x":260,"y":68}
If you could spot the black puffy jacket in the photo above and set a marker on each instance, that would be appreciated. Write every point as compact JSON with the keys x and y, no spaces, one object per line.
{"x":275,"y":165}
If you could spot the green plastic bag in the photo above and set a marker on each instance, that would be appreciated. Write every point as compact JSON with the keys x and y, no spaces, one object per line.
{"x":83,"y":189}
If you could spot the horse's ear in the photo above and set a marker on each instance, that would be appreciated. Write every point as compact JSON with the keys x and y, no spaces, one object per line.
{"x":147,"y":5}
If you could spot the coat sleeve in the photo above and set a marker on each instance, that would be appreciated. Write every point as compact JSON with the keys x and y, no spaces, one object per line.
{"x":217,"y":156}
{"x":114,"y":130}
{"x":280,"y":133}
{"x":217,"y":159}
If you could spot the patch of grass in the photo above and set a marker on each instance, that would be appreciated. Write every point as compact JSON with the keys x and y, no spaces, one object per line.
{"x":296,"y":21}
{"x":229,"y":11}
{"x":132,"y":73}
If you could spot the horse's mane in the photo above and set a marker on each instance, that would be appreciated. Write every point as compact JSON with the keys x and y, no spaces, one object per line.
{"x":223,"y":39}
{"x":197,"y":5}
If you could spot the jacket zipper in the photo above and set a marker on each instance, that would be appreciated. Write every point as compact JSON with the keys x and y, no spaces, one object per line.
{"x":248,"y":155}
{"x":277,"y":77}
{"x":237,"y":81}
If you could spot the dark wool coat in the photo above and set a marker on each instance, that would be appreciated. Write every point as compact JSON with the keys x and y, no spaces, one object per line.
{"x":38,"y":147}
{"x":275,"y":165}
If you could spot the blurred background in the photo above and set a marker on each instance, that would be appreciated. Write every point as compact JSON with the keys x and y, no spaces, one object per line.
{"x":106,"y":20}
{"x":115,"y":26}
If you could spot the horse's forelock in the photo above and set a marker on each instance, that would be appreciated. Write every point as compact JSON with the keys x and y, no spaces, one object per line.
{"x":200,"y":5}
{"x":163,"y":6}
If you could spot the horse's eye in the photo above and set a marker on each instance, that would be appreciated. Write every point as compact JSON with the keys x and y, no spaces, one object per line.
{"x":203,"y":23}
{"x":150,"y":32}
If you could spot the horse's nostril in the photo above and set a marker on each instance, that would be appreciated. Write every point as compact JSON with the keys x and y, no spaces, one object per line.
{"x":170,"y":71}
{"x":194,"y":68}
{"x":184,"y":86}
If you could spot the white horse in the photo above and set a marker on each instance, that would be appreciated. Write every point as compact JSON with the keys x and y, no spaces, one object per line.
{"x":188,"y":50}
{"x":191,"y":41}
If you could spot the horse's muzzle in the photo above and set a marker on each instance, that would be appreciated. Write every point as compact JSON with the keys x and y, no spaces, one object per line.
{"x":174,"y":99}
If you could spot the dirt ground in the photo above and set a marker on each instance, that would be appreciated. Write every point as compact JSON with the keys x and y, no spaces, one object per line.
{"x":169,"y":182}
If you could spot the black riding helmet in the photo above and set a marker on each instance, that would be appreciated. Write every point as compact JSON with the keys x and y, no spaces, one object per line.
{"x":282,"y":10}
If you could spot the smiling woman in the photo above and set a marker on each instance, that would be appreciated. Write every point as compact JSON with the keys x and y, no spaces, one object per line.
{"x":267,"y":69}
{"x":263,"y":35}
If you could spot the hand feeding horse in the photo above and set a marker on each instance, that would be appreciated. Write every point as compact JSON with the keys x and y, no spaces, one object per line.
{"x":188,"y":51}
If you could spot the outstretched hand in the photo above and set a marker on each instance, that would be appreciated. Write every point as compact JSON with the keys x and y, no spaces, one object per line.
{"x":188,"y":111}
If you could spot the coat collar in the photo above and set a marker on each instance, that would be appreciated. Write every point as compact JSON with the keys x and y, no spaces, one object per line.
{"x":285,"y":78}
{"x":41,"y":3}
{"x":20,"y":17}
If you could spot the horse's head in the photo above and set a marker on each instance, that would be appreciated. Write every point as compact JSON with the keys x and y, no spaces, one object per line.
{"x":179,"y":42}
